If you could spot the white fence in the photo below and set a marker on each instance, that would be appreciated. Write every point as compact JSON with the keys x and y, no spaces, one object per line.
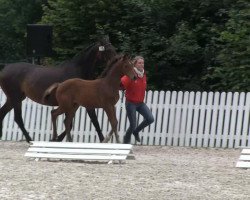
{"x":181,"y":119}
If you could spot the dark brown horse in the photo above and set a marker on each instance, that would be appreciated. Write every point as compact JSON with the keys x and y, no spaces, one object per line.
{"x":20,"y":80}
{"x":99,"y":93}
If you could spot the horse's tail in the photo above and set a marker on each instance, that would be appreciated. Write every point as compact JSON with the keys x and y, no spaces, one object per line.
{"x":49,"y":91}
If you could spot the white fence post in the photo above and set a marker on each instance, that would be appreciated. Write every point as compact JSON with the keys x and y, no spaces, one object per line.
{"x":184,"y":115}
{"x":200,"y":135}
{"x":245,"y":139}
{"x":189,"y":119}
{"x":165,"y":121}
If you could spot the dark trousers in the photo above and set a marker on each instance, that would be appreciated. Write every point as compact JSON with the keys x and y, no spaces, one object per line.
{"x":143,"y":109}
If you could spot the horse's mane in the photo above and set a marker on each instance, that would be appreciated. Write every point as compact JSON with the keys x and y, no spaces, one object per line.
{"x":78,"y":57}
{"x":84,"y":53}
{"x":110,"y":65}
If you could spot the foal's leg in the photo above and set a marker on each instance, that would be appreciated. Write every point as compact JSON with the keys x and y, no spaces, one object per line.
{"x":3,"y":111}
{"x":93,"y":117}
{"x":110,"y":111}
{"x":68,"y":121}
{"x":54,"y":114}
{"x":68,"y":125}
{"x":63,"y":134}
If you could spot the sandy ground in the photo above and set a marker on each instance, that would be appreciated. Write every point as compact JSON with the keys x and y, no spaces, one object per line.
{"x":157,"y":173}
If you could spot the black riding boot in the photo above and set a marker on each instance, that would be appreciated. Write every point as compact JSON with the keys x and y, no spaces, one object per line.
{"x":137,"y":137}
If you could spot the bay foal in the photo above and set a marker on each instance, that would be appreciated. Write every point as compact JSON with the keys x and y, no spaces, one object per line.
{"x":98,"y":93}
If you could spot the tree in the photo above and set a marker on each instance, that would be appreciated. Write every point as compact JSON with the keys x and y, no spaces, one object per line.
{"x":14,"y":16}
{"x":178,"y":38}
{"x":231,"y":72}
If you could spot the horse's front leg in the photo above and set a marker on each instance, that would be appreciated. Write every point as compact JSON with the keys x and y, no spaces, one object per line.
{"x":19,"y":120}
{"x":94,"y":120}
{"x":110,"y":111}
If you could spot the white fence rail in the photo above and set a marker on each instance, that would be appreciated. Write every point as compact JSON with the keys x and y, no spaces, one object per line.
{"x":181,"y":119}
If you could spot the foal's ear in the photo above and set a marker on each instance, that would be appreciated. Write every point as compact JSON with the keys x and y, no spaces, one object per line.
{"x":126,"y":56}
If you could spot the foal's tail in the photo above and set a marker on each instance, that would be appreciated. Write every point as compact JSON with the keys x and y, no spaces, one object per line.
{"x":49,"y":91}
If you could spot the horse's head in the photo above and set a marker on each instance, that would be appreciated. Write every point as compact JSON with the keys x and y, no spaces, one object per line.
{"x":104,"y":50}
{"x":94,"y":56}
{"x":127,"y":66}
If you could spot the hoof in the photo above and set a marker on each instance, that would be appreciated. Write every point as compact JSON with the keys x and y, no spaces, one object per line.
{"x":60,"y":138}
{"x":101,"y":139}
{"x":69,"y":139}
{"x":106,"y":140}
{"x":118,"y":140}
{"x":29,"y":140}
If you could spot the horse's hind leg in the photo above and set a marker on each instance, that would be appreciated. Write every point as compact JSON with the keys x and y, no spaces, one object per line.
{"x":93,"y":117}
{"x":14,"y":101}
{"x":3,"y":111}
{"x":19,"y":120}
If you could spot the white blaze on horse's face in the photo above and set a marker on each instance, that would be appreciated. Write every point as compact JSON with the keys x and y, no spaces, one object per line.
{"x":101,"y":48}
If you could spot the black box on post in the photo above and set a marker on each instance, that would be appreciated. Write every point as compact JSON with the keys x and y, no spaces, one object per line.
{"x":39,"y":40}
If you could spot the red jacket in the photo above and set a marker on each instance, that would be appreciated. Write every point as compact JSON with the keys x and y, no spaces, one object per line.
{"x":135,"y":90}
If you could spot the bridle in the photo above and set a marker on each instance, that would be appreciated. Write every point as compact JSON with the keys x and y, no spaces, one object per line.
{"x":102,"y":47}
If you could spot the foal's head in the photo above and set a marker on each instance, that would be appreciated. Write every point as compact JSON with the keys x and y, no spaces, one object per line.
{"x":122,"y":65}
{"x":127,"y":67}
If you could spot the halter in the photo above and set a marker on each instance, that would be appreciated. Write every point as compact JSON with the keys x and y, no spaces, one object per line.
{"x":102,"y":48}
{"x":130,"y":62}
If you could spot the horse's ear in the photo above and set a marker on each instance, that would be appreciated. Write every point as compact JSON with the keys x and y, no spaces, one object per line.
{"x":106,"y":38}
